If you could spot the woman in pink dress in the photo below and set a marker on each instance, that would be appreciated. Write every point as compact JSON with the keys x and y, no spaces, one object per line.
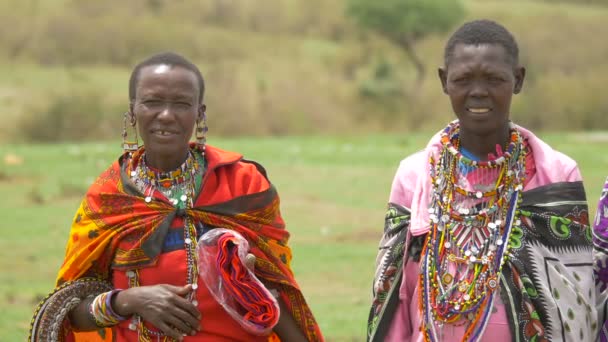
{"x":486,"y":236}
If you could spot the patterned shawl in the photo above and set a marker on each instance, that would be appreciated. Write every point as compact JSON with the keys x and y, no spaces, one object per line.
{"x":115,"y":228}
{"x":546,"y":283}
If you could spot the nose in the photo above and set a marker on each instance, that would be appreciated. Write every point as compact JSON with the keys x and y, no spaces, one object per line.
{"x":478,"y":89}
{"x":165,"y":114}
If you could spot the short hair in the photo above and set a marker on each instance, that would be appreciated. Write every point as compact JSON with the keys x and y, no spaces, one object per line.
{"x":167,"y":58}
{"x":481,"y":32}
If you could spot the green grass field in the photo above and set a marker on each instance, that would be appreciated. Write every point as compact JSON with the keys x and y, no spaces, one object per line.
{"x":333,"y":190}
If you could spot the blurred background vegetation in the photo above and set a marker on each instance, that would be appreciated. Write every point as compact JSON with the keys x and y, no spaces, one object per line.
{"x":289,"y":67}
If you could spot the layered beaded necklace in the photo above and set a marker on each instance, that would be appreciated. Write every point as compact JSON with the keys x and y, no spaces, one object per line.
{"x":472,"y":212}
{"x":179,"y":187}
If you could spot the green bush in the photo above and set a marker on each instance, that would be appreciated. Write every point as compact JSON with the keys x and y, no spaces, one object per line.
{"x":83,"y":115}
{"x":280,"y":67}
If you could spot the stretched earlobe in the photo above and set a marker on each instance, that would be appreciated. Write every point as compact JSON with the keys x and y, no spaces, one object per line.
{"x":132,"y":118}
{"x":202,"y":108}
{"x":131,"y":114}
{"x":201,"y":129}
{"x":443,"y":77}
{"x":128,"y":145}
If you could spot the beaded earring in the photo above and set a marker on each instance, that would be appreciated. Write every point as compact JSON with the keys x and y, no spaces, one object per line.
{"x":129,"y":146}
{"x":201,"y":132}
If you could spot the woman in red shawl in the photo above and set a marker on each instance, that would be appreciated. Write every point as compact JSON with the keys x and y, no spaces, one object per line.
{"x":131,"y":271}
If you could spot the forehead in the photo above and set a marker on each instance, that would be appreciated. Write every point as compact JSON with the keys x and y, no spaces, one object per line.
{"x":166,"y":77}
{"x":491,"y":56}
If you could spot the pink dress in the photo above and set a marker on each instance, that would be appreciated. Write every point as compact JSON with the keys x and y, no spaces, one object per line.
{"x":411,"y":189}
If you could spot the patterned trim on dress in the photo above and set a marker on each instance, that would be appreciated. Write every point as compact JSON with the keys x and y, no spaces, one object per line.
{"x":389,"y":269}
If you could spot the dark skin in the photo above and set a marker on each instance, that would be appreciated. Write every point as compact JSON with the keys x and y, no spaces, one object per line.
{"x":480,"y":81}
{"x":166,"y":108}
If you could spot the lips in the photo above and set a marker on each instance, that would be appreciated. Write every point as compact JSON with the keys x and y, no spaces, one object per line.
{"x":164,"y":135}
{"x":479,"y":110}
{"x":163,"y":132}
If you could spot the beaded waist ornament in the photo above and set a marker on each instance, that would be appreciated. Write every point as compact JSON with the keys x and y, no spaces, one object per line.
{"x":471,"y":218}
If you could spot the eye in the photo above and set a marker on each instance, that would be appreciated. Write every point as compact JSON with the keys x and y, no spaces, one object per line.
{"x":460,"y":79}
{"x":183,"y":105}
{"x":496,"y":79}
{"x":151,"y":102}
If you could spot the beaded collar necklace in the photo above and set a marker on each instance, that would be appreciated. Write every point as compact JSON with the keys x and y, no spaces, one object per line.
{"x":162,"y":179}
{"x":179,"y":187}
{"x":468,"y":242}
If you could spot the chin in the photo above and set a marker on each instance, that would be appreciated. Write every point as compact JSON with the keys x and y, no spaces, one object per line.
{"x":480,"y":127}
{"x":163,"y":149}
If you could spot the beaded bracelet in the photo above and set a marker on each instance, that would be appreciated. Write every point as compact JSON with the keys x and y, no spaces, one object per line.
{"x":101,"y":310}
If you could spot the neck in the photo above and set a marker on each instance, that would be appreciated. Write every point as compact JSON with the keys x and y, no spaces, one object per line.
{"x":482,"y":145}
{"x":166,"y":163}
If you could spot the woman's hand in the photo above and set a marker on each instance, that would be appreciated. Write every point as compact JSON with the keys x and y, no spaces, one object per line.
{"x":164,"y":306}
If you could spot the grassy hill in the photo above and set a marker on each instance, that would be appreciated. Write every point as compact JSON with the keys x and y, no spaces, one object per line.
{"x":282,"y":67}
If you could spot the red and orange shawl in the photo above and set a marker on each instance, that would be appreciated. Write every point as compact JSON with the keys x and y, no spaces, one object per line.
{"x":115,"y":228}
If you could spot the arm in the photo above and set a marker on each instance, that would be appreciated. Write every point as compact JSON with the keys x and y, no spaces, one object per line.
{"x":286,"y":328}
{"x":80,"y":319}
{"x":393,"y":268}
{"x":574,"y":175}
{"x":255,"y":180}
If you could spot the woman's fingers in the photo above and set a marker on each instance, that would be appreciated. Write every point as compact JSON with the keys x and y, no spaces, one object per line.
{"x":183,"y":303}
{"x":170,"y":331}
{"x":165,"y":307}
{"x":178,"y":290}
{"x":250,"y":262}
{"x":183,"y":327}
{"x":188,"y":307}
{"x":187,"y":318}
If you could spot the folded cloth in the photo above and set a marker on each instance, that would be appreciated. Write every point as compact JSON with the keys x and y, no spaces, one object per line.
{"x":222,"y":255}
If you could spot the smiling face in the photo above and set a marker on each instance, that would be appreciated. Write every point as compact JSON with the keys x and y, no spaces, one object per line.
{"x":166,"y":108}
{"x":480,"y":81}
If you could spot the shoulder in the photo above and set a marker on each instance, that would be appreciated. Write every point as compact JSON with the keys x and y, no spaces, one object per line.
{"x":411,"y":167}
{"x":417,"y":164}
{"x":250,"y":170}
{"x":408,"y":173}
{"x":231,"y":167}
{"x":555,"y":165}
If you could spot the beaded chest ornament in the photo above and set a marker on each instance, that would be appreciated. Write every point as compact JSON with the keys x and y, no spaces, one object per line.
{"x":179,"y":187}
{"x":467,"y":244}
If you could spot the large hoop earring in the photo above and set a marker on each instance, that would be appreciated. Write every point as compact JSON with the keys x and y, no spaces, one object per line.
{"x":201,"y":133}
{"x":129,"y":146}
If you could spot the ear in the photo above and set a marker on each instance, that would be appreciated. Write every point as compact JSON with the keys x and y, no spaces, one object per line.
{"x":132,"y":116}
{"x":520,"y":74}
{"x":202,"y":108}
{"x":443,"y":77}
